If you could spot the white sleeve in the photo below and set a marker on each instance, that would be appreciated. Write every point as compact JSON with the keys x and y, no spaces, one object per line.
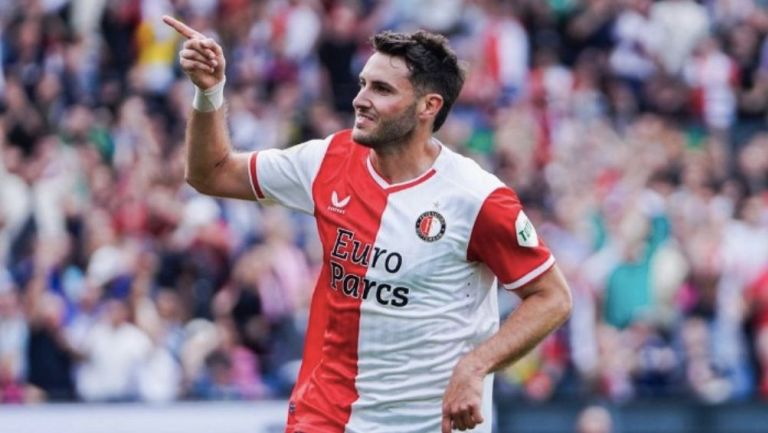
{"x":285,"y":176}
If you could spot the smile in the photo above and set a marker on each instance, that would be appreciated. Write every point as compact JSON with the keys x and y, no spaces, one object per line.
{"x":364,"y":116}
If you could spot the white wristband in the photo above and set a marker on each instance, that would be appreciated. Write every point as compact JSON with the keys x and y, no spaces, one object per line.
{"x":209,"y":99}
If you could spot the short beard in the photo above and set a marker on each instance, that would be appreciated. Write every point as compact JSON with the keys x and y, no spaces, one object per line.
{"x":390,"y":133}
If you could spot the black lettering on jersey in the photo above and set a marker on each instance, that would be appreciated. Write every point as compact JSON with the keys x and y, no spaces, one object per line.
{"x":381,"y":288}
{"x":347,"y":248}
{"x":369,"y":284}
{"x":351,"y":286}
{"x":400,"y":296}
{"x":337,"y":273}
{"x":343,"y":237}
{"x":351,"y":283}
{"x":377,"y":252}
{"x":398,"y":259}
{"x":349,"y":251}
{"x":360,"y":257}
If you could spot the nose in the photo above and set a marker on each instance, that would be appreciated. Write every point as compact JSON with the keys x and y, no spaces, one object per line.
{"x":361,"y":101}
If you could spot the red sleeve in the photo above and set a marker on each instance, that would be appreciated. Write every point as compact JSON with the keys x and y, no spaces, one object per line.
{"x":505,"y":240}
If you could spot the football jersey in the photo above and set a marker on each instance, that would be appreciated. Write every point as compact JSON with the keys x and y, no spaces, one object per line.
{"x":408,"y":282}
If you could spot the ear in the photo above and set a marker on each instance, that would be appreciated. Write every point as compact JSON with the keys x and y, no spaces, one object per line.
{"x":430,"y":105}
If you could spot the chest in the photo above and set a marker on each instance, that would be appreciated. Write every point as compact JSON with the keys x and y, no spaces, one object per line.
{"x":411,"y":235}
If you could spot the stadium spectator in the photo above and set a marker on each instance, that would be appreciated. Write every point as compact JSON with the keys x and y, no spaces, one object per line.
{"x":14,"y":335}
{"x":114,"y":354}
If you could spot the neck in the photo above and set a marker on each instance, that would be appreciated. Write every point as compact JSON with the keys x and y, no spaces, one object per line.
{"x":406,"y":161}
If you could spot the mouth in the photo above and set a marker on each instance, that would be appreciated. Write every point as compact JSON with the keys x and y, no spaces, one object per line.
{"x":362,"y":118}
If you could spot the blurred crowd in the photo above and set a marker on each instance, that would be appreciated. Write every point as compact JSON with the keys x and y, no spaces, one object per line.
{"x":634,"y":131}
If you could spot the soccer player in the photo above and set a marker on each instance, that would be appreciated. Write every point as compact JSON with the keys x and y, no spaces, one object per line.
{"x":403,"y":333}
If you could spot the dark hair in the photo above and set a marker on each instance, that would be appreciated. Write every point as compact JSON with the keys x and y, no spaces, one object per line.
{"x":431,"y":61}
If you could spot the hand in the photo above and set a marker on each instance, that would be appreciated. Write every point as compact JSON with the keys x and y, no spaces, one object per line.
{"x":463,"y":398}
{"x":201,"y":58}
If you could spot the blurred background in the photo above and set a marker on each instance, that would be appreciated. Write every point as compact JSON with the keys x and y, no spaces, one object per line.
{"x":634,"y":131}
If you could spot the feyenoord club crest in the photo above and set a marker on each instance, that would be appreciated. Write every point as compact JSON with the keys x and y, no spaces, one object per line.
{"x":430,"y":226}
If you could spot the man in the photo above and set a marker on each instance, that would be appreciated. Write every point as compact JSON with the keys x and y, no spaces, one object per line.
{"x":403,"y":332}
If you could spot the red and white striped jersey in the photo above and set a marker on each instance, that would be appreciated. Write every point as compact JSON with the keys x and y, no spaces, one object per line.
{"x":408,"y":283}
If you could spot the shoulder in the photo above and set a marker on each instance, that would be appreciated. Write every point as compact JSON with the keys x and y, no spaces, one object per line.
{"x":338,"y":143}
{"x":468,"y":178}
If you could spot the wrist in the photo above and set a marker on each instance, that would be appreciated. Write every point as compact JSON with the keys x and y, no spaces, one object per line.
{"x":210,"y":99}
{"x":471,"y":363}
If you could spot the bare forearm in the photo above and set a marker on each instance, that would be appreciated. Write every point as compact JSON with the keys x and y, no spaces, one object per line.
{"x":546,"y":304}
{"x":207,"y":145}
{"x":208,"y":168}
{"x":521,"y":332}
{"x":540,"y":313}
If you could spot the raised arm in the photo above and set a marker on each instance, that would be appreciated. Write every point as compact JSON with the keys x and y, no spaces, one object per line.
{"x":211,"y":167}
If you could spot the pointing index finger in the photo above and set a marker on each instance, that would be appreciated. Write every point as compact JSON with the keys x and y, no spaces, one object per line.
{"x":183,"y":29}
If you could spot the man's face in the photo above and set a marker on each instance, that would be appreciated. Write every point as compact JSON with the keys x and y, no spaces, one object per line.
{"x":385,"y":106}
